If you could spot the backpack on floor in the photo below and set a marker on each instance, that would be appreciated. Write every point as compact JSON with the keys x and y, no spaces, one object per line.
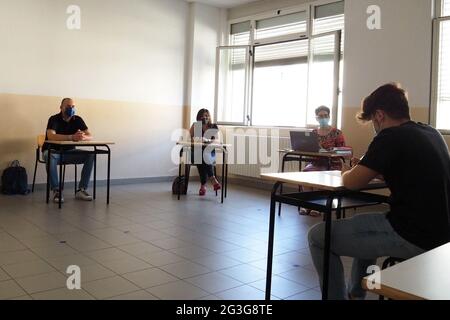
{"x":15,"y":179}
{"x":179,"y":182}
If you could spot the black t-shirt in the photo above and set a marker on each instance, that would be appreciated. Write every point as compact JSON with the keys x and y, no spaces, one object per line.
{"x":61,"y":126}
{"x":415,"y":162}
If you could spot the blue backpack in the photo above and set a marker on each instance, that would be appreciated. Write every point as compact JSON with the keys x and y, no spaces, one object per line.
{"x":15,"y":180}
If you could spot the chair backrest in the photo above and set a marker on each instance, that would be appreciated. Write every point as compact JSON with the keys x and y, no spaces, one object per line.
{"x":40,"y":143}
{"x":40,"y":140}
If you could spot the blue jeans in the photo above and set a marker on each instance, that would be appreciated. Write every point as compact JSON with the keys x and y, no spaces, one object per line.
{"x":74,"y":157}
{"x":365,"y":238}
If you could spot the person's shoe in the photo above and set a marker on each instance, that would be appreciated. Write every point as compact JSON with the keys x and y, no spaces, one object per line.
{"x":217,"y":186}
{"x":83,"y":195}
{"x":56,"y":197}
{"x":202,"y":191}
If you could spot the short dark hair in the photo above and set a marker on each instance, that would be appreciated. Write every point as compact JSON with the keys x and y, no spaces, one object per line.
{"x":64,"y":100}
{"x":201,"y":112}
{"x":390,"y":98}
{"x":323,"y":108}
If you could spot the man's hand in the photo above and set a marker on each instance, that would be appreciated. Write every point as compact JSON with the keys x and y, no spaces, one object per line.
{"x":78,"y":136}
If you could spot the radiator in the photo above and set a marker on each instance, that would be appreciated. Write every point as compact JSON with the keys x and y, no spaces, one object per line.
{"x":251,"y":169}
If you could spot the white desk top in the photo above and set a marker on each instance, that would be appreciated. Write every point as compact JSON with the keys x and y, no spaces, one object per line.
{"x":203,"y":144}
{"x":423,"y":277}
{"x":80,"y":143}
{"x":330,"y":154}
{"x":323,"y":180}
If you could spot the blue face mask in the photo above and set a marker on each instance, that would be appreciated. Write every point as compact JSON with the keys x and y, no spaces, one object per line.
{"x":70,"y":112}
{"x":324,"y":122}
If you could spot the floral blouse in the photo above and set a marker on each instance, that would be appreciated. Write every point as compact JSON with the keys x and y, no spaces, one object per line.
{"x":333,"y":139}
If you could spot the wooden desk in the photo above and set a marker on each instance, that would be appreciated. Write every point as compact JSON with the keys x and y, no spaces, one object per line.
{"x":324,"y":201}
{"x":191,"y":144}
{"x":60,"y":150}
{"x":425,"y":277}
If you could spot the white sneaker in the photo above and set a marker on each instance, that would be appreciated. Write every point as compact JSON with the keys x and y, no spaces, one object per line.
{"x":56,"y":197}
{"x":83,"y":195}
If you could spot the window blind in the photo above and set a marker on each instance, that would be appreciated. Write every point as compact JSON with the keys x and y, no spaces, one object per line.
{"x":281,"y":25}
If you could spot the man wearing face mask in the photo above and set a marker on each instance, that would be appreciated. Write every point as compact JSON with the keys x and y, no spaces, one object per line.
{"x":66,"y":126}
{"x":414,"y":160}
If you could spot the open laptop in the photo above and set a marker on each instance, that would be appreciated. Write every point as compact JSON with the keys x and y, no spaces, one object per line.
{"x":305,"y":141}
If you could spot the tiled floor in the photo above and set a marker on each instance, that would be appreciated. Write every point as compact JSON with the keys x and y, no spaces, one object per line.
{"x":148,"y":245}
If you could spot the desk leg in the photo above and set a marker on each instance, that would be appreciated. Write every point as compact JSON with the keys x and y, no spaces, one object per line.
{"x":49,"y":156}
{"x":271,"y":239}
{"x":61,"y":161}
{"x":281,"y":187}
{"x":226,"y":172}
{"x":223,"y":176}
{"x":108,"y":182}
{"x":179,"y":173}
{"x":326,"y":257}
{"x":95,"y":173}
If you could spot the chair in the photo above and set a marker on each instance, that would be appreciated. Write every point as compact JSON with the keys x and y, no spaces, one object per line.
{"x":40,"y":159}
{"x":389,"y":262}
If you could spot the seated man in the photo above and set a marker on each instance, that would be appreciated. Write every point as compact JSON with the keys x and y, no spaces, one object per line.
{"x":414,"y":160}
{"x":66,"y":126}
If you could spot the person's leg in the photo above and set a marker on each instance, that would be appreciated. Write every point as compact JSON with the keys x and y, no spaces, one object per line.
{"x":54,"y":161}
{"x":86,"y":172}
{"x":364,"y":237}
{"x":87,"y":159}
{"x":202,"y":174}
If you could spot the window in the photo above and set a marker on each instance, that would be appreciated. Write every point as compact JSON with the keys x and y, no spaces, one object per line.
{"x":289,"y":71}
{"x":441,"y":77}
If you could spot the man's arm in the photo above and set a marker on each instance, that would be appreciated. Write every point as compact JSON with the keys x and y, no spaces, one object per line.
{"x":53,"y":136}
{"x":358,"y":177}
{"x":87,"y":136}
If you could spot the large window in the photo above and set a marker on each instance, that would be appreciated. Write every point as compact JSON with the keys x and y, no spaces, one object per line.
{"x":279,"y":68}
{"x":441,"y":66}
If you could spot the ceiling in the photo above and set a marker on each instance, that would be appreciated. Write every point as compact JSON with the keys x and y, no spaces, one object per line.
{"x":223,"y":3}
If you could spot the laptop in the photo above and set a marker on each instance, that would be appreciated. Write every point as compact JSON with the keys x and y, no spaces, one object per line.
{"x":305,"y":141}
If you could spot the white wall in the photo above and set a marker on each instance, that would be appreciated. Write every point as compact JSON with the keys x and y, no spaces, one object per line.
{"x":206,"y":22}
{"x":132,"y":50}
{"x":400,"y":51}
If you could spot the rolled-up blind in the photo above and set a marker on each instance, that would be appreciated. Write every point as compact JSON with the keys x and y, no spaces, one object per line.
{"x":328,"y":17}
{"x":281,"y":25}
{"x":240,"y":33}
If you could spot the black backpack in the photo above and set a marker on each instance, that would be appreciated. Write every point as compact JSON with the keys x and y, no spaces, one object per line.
{"x":179,"y":183}
{"x":15,"y":179}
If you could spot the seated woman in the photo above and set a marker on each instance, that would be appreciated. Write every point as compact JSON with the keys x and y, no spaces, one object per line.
{"x":329,"y":138}
{"x":209,"y":132}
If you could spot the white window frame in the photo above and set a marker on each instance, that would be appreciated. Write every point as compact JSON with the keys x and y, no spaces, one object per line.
{"x":435,"y":64}
{"x":309,"y":9}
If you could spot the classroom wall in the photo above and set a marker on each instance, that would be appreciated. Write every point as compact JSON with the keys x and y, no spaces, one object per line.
{"x":205,"y":35}
{"x":125,"y":68}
